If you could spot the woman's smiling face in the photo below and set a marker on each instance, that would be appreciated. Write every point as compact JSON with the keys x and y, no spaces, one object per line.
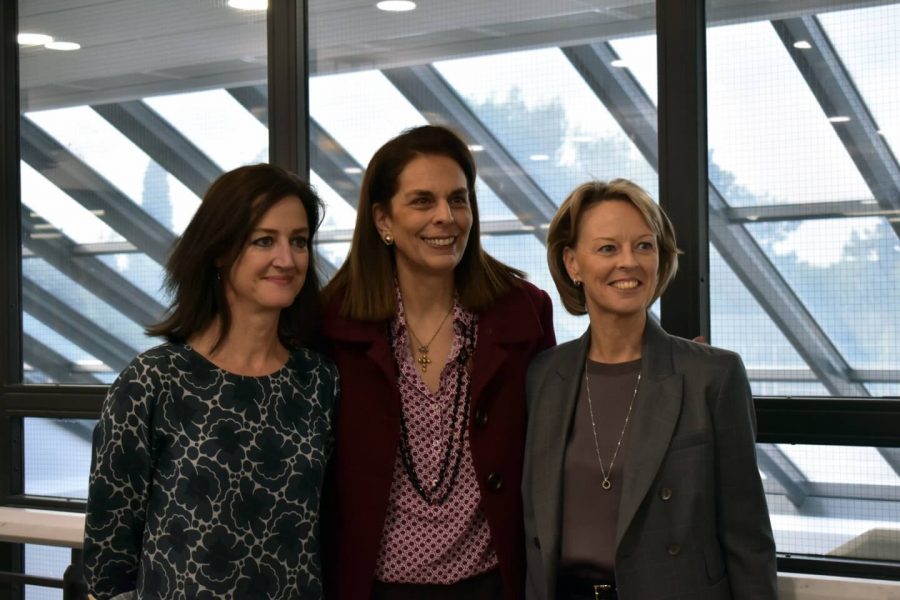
{"x":615,"y":258}
{"x":429,"y":216}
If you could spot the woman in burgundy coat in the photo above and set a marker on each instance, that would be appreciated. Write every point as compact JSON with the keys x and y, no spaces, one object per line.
{"x":432,"y":338}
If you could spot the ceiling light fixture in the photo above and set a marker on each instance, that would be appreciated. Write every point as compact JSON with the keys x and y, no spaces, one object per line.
{"x":838,"y":119}
{"x":62,"y":46}
{"x":802,"y":45}
{"x":34,"y":39}
{"x":249,"y":4}
{"x":539,"y":157}
{"x":619,"y":63}
{"x":396,"y":5}
{"x":476,"y":148}
{"x":352,"y":170}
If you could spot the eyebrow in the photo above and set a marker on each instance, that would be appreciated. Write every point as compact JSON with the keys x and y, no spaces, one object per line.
{"x":609,"y":239}
{"x":276,"y":231}
{"x":430,"y":193}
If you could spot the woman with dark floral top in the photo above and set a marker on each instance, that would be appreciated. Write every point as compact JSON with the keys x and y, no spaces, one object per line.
{"x":211,"y":448}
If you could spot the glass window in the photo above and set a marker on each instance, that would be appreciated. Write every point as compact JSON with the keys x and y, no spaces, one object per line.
{"x":805,"y":259}
{"x":114,"y":129}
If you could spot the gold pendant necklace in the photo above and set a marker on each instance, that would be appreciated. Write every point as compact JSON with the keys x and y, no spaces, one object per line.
{"x":423,"y":349}
{"x":606,"y":484}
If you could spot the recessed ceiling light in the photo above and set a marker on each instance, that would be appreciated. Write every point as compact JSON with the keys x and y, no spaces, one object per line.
{"x":476,"y":147}
{"x":396,"y":5}
{"x":838,"y":119}
{"x":249,"y":4}
{"x":539,"y":157}
{"x":802,"y":45}
{"x":352,"y":170}
{"x":620,"y":63}
{"x":62,"y":46}
{"x":34,"y":39}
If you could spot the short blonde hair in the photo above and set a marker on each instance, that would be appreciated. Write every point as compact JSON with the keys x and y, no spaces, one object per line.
{"x":566,"y":222}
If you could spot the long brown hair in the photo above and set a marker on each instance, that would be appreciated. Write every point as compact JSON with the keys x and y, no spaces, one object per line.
{"x":201,"y":260}
{"x":365,"y":282}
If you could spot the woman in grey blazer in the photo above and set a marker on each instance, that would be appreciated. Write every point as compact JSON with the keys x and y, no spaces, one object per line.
{"x":640,"y":478}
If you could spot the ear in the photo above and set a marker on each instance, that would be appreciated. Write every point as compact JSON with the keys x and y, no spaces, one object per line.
{"x":382,"y":218}
{"x":571,"y":263}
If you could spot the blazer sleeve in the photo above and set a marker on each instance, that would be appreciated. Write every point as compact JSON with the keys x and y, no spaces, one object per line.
{"x":119,"y":487}
{"x":745,"y":532}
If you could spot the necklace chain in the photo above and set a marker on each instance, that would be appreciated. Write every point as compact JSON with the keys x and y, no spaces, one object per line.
{"x":605,"y":484}
{"x":423,"y":349}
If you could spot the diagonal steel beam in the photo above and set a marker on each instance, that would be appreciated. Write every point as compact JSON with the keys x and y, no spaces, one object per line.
{"x":47,"y":360}
{"x":75,"y":327}
{"x":327,"y":156}
{"x":80,"y":182}
{"x":93,"y":274}
{"x":780,"y":469}
{"x":334,"y":164}
{"x":833,"y":87}
{"x":806,"y":211}
{"x":163,"y":143}
{"x":432,"y":96}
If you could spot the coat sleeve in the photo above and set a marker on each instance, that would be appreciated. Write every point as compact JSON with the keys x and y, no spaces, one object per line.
{"x":119,"y":486}
{"x":548,"y":340}
{"x":745,"y":532}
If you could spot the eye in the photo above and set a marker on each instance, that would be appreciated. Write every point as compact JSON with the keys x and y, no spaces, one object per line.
{"x":300,"y":241}
{"x":265,"y":241}
{"x":606,"y":249}
{"x":422,"y":200}
{"x":646,"y":246}
{"x":459,"y":200}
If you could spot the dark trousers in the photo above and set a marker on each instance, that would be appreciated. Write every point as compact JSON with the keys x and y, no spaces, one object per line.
{"x":487,"y":586}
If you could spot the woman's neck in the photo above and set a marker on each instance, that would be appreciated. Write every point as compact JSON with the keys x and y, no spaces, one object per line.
{"x":617,"y":339}
{"x":251,"y":346}
{"x":424,"y":295}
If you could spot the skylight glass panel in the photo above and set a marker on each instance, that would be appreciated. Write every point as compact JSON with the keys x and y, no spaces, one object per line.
{"x":837,"y":267}
{"x":768,"y":136}
{"x":86,"y":303}
{"x":217,"y":124}
{"x":548,"y":119}
{"x":867,"y":42}
{"x":363,"y":127}
{"x":43,"y":200}
{"x":527,"y":253}
{"x":114,"y":157}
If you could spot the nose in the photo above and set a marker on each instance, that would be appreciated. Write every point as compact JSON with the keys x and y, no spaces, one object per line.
{"x":627,"y":259}
{"x":444,"y":212}
{"x":281,"y":257}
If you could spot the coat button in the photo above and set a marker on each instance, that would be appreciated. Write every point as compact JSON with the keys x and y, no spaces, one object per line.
{"x":495,"y":481}
{"x":537,"y":543}
{"x":481,"y":417}
{"x":673,"y":549}
{"x":665,"y":493}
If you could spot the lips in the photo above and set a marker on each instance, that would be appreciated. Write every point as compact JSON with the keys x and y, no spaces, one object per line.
{"x":280,"y":280}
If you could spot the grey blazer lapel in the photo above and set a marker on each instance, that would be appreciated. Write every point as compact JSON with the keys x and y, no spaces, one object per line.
{"x":656,"y":413}
{"x":558,"y":395}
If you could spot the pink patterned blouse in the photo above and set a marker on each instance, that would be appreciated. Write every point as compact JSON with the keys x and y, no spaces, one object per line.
{"x":434,"y":531}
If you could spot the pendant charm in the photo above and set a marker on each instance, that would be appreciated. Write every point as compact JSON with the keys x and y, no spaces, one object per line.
{"x":423,"y":360}
{"x":606,"y":484}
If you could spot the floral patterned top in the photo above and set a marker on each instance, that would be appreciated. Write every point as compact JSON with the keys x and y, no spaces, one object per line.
{"x":206,"y":484}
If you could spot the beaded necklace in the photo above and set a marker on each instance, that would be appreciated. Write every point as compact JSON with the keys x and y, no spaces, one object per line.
{"x":443,"y":485}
